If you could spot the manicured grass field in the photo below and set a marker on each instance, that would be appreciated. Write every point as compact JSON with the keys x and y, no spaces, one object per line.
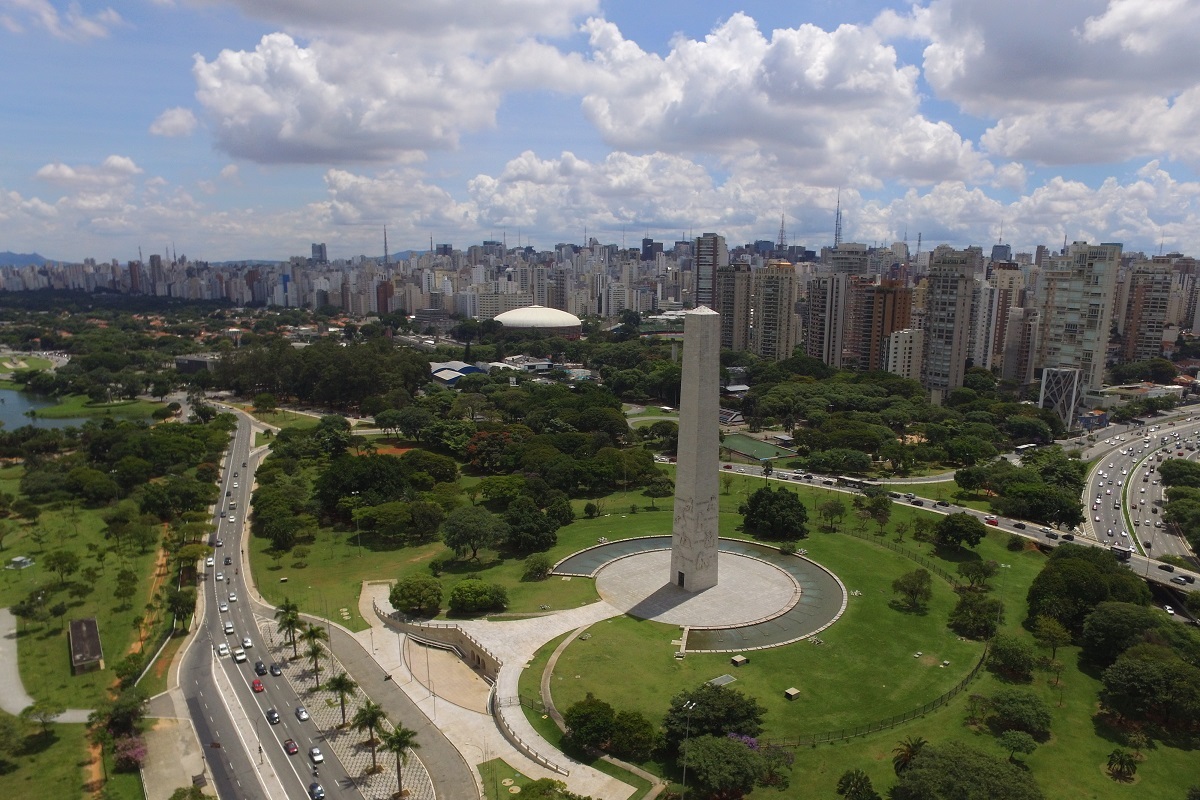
{"x":42,"y":647}
{"x":78,"y":405}
{"x":753,"y":448}
{"x":648,"y":411}
{"x":280,"y":419}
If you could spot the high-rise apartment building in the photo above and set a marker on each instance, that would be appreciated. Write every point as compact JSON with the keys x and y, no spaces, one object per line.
{"x":1008,"y":285}
{"x":776,"y":326}
{"x":1075,"y":299}
{"x":1021,"y":330}
{"x":903,"y":353}
{"x":711,"y":255}
{"x":875,"y":310}
{"x":733,"y":302}
{"x":1150,"y":289}
{"x":824,"y":316}
{"x":948,"y":321}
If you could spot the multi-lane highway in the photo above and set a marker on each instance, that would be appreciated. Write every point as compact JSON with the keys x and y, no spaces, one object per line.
{"x":245,"y":748}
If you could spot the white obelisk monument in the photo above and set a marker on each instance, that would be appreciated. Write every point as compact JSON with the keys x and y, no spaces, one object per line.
{"x":694,"y":533}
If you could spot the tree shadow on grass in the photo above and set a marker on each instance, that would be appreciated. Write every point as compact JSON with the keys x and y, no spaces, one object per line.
{"x":36,"y":743}
{"x":905,"y":608}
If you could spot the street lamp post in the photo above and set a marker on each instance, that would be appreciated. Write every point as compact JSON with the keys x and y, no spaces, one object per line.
{"x":687,"y":732}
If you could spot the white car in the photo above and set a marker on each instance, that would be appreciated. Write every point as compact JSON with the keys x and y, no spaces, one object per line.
{"x":233,"y":597}
{"x":208,"y":562}
{"x":246,"y":643}
{"x":316,"y":755}
{"x":235,"y":484}
{"x":220,"y":577}
{"x":239,"y":655}
{"x":222,"y":649}
{"x":232,"y":518}
{"x":1169,"y":610}
{"x":223,"y":607}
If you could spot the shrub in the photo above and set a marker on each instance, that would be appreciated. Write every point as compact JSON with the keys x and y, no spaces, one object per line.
{"x":537,"y":567}
{"x":471,"y":596}
{"x":417,"y":595}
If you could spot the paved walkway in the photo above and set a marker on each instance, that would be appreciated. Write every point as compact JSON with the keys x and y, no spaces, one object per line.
{"x":13,"y":697}
{"x":514,"y":642}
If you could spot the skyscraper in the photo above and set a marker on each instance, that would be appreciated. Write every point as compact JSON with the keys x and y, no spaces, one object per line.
{"x":948,"y":321}
{"x":733,"y":303}
{"x":776,"y":326}
{"x":1150,"y":285}
{"x":711,"y":254}
{"x":875,"y":311}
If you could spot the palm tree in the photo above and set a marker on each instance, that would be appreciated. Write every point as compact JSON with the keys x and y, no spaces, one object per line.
{"x":369,"y":716}
{"x":906,"y":751}
{"x":1122,"y":763}
{"x":400,"y":741}
{"x":342,"y":684}
{"x":313,"y":635}
{"x":288,"y":615}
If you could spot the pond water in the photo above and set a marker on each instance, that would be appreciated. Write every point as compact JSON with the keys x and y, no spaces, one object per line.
{"x":14,"y":404}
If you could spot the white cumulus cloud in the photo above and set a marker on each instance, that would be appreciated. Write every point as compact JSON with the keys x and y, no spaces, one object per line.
{"x":71,"y":23}
{"x":174,"y":122}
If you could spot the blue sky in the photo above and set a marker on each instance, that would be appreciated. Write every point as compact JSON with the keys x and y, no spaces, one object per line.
{"x":250,"y":128}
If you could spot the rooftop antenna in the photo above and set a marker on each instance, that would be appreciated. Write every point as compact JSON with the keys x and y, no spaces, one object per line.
{"x":782,"y":235}
{"x":916,"y":257}
{"x":837,"y":221}
{"x":431,"y":244}
{"x":1161,"y":238}
{"x":1001,"y":239}
{"x":1064,"y":250}
{"x":385,"y":247}
{"x":175,"y":256}
{"x":139,"y":254}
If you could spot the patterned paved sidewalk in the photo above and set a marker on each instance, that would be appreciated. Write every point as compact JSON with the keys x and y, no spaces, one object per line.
{"x":348,"y":745}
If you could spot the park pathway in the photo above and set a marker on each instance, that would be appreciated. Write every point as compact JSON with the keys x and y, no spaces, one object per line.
{"x":13,"y":697}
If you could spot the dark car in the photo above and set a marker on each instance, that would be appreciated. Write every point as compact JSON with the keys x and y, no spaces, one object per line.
{"x":942,"y":503}
{"x":276,"y":670}
{"x":893,"y":494}
{"x":1052,"y":535}
{"x":260,"y":668}
{"x":918,"y":502}
{"x":272,"y":716}
{"x":1068,"y":537}
{"x":1166,"y":567}
{"x":1019,"y":525}
{"x":315,"y":791}
{"x":290,"y":747}
{"x":243,"y":463}
{"x":827,"y":482}
{"x":228,"y":561}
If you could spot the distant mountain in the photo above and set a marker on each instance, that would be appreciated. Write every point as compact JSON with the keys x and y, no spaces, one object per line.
{"x":8,"y":259}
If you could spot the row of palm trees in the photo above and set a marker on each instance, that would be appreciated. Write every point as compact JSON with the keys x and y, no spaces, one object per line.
{"x":370,"y":716}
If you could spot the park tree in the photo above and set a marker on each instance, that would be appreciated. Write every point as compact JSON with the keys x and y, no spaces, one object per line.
{"x":633,"y":736}
{"x":370,"y":717}
{"x":1020,"y":710}
{"x":856,"y":785}
{"x":833,"y":511}
{"x":718,"y":710}
{"x":915,"y":588}
{"x":43,"y":712}
{"x":342,"y":685}
{"x":976,"y":615}
{"x":659,"y":487}
{"x":955,"y":771}
{"x":1122,"y":764}
{"x":589,"y":722}
{"x":473,"y":595}
{"x":905,"y":751}
{"x":775,"y":514}
{"x":64,"y":562}
{"x":1049,"y":632}
{"x":400,"y":742}
{"x":537,"y":567}
{"x":1112,"y":628}
{"x":959,"y":530}
{"x":978,"y":572}
{"x":1076,"y":579}
{"x":1152,"y":681}
{"x":529,"y":530}
{"x":472,"y":528}
{"x":417,"y":594}
{"x":721,"y":766}
{"x":265,"y":403}
{"x":1011,"y":656}
{"x":1015,"y":741}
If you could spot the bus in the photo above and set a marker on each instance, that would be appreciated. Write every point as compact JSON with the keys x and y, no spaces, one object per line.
{"x":1122,"y":553}
{"x":1024,"y":448}
{"x":854,"y":483}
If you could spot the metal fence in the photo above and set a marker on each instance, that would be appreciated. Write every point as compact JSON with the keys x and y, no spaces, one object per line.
{"x":904,"y":551}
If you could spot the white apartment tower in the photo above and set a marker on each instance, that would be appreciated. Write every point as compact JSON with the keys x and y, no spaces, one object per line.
{"x":948,"y":321}
{"x":1076,"y":296}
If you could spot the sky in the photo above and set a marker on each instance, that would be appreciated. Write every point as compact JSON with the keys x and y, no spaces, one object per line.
{"x":248,"y":129}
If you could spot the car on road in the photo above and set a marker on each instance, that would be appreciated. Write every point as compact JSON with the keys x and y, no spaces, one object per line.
{"x":272,"y":716}
{"x":942,"y":503}
{"x":235,"y":484}
{"x":228,"y":627}
{"x":220,"y":577}
{"x":918,"y":502}
{"x":222,"y":649}
{"x":301,"y":713}
{"x":243,"y":463}
{"x":218,"y":543}
{"x":208,"y":562}
{"x":247,"y":643}
{"x":276,"y":670}
{"x":1180,"y":579}
{"x":233,"y":597}
{"x":257,"y":686}
{"x":991,"y":519}
{"x":1051,"y":535}
{"x":239,"y":655}
{"x":1166,"y":567}
{"x":223,"y":607}
{"x":1068,"y":537}
{"x":316,"y":755}
{"x":1019,"y":526}
{"x":260,"y":668}
{"x":228,"y":561}
{"x":315,"y":792}
{"x":1169,"y":610}
{"x":290,"y":747}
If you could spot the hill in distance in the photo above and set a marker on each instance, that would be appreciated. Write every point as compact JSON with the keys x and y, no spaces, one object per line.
{"x":10,"y":259}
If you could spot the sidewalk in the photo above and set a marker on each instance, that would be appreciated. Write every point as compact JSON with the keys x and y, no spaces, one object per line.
{"x":13,"y":697}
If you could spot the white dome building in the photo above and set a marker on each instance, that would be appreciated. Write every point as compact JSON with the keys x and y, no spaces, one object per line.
{"x":550,"y":321}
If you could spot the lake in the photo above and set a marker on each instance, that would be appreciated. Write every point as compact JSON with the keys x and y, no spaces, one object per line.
{"x":14,"y":404}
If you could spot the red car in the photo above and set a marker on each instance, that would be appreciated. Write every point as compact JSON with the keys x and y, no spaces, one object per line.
{"x":256,"y":685}
{"x":990,"y":520}
{"x":290,"y":747}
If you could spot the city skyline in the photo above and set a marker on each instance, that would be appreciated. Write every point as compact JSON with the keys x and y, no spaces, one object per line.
{"x":238,"y":130}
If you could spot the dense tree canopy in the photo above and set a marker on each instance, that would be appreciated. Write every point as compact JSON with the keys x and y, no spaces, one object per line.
{"x":955,"y":771}
{"x":775,"y":513}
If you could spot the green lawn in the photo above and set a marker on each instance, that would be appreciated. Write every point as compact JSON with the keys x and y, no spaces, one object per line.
{"x":44,"y":661}
{"x":280,"y":419}
{"x":13,"y":361}
{"x":47,"y":765}
{"x":78,"y":405}
{"x":648,"y":411}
